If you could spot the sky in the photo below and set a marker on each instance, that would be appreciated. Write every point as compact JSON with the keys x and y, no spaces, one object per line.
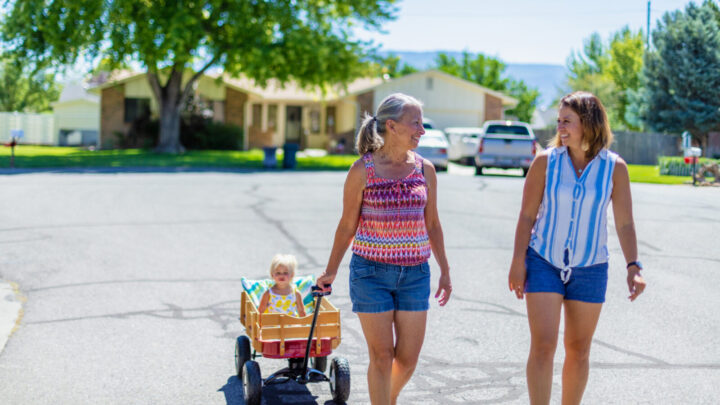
{"x":515,"y":31}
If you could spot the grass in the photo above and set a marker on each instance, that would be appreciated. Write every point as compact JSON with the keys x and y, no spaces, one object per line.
{"x":70,"y":157}
{"x":651,"y":174}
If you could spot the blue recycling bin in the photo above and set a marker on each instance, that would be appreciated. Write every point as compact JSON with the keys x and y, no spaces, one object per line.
{"x":270,"y":160}
{"x":289,"y":151}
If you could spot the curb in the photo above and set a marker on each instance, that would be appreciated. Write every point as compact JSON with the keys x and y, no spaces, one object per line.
{"x":11,"y":311}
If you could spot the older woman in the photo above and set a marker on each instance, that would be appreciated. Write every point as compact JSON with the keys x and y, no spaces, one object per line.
{"x":561,"y":255}
{"x":390,"y":216}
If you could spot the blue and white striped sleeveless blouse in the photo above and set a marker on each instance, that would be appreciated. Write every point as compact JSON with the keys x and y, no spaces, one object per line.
{"x":571,"y":226}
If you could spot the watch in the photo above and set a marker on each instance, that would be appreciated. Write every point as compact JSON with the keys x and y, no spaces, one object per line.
{"x":635,"y":263}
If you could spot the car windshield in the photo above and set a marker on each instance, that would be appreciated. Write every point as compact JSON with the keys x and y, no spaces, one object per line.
{"x":507,"y":129}
{"x":427,"y":125}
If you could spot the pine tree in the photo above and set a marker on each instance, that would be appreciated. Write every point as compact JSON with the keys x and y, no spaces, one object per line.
{"x":682,"y":73}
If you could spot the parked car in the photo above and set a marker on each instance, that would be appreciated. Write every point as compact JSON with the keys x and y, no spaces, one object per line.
{"x":464,"y":143}
{"x":506,"y":145}
{"x":428,"y":123}
{"x":433,"y":146}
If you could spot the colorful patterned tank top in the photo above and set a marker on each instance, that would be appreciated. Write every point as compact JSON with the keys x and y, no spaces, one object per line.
{"x":391,"y":228}
{"x":282,"y":304}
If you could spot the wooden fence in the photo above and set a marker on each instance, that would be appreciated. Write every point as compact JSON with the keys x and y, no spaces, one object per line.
{"x":38,"y":128}
{"x":635,"y":147}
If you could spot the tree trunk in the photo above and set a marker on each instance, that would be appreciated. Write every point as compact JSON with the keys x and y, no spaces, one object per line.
{"x":170,"y":99}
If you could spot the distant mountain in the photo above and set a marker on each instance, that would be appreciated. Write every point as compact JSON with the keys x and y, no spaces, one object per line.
{"x":548,"y":79}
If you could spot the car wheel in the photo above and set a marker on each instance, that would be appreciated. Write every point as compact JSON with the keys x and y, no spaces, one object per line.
{"x":242,"y":354}
{"x":252,"y":383}
{"x":525,"y":171}
{"x":478,"y":170}
{"x":340,"y":379}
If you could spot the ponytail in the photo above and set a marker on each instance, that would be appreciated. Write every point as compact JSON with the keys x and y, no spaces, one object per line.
{"x":371,"y":135}
{"x":368,"y":139}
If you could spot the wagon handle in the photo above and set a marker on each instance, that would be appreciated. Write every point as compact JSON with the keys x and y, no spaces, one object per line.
{"x":319,"y":293}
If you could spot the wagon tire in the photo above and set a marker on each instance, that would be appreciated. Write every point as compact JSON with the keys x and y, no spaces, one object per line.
{"x":242,"y":354}
{"x":319,"y":363}
{"x":340,"y":380}
{"x":252,"y":383}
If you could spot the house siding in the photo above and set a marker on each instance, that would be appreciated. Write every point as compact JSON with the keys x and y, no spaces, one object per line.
{"x":235,"y":107}
{"x":112,"y":113}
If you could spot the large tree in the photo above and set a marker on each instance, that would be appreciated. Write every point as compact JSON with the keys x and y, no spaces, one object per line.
{"x":611,"y":71}
{"x":682,"y":72}
{"x":24,"y":86}
{"x":309,"y":41}
{"x":489,"y":72}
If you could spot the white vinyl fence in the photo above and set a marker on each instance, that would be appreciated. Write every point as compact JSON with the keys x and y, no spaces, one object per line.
{"x":38,"y":128}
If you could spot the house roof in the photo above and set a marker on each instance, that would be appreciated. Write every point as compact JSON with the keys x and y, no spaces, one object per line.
{"x":506,"y":100}
{"x":292,"y":91}
{"x":73,"y":92}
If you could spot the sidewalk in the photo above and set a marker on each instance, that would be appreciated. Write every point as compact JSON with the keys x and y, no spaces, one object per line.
{"x":10,"y":311}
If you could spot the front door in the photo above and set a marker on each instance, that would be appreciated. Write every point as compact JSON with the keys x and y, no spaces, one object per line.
{"x":293,"y":124}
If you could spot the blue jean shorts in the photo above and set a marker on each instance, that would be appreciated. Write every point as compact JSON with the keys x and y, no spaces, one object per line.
{"x":379,"y":287}
{"x":587,"y":284}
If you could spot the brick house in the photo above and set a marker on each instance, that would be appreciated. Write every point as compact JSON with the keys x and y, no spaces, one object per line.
{"x":275,"y":114}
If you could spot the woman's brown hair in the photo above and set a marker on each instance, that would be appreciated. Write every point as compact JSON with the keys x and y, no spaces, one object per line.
{"x":593,"y":118}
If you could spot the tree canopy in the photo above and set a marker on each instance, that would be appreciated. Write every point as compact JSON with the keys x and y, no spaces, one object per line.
{"x":24,"y":86}
{"x":488,"y":72}
{"x":611,"y":71}
{"x":308,"y":41}
{"x":681,"y":76}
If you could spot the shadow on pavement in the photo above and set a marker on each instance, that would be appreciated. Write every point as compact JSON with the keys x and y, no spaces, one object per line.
{"x":275,"y":394}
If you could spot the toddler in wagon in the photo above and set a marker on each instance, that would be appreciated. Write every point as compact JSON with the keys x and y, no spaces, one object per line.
{"x":282,"y":297}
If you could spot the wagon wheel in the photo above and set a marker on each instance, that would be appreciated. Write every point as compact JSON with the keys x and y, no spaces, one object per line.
{"x":242,"y":354}
{"x":340,"y":379}
{"x":252,"y":383}
{"x":319,"y":363}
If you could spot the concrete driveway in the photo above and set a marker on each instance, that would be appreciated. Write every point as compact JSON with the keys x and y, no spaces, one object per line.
{"x":131,"y":287}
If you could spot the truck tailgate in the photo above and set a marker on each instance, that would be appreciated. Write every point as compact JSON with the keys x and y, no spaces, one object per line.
{"x":507,"y":145}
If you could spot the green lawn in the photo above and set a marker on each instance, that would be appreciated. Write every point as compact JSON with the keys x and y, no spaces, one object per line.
{"x":57,"y":157}
{"x":69,"y":157}
{"x":651,"y":174}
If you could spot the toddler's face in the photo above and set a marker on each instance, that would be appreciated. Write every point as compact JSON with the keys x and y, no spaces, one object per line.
{"x":282,"y":274}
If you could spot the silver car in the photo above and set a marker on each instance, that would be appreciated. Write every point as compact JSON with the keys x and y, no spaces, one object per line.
{"x":464,"y":142}
{"x":433,"y":146}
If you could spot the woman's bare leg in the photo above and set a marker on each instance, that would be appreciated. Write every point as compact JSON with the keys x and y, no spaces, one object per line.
{"x":378,"y":331}
{"x":544,"y":318}
{"x":581,"y":318}
{"x":410,"y":334}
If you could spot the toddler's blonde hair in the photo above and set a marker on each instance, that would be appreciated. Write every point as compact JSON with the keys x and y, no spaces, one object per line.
{"x":288,"y":261}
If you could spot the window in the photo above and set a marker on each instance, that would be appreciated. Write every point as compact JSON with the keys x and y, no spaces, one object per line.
{"x":136,"y":108}
{"x":507,"y":129}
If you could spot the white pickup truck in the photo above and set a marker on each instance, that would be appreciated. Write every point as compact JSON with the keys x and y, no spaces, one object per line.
{"x":505,"y":145}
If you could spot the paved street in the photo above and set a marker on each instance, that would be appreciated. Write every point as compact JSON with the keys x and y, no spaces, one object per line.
{"x":130,"y":287}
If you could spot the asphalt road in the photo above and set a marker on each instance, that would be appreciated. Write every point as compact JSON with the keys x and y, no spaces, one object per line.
{"x":131,"y":286}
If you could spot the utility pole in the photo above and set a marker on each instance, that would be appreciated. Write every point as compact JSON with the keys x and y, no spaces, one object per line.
{"x":647,"y":39}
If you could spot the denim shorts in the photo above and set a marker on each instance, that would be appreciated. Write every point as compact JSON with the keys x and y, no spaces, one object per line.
{"x":380,"y":287}
{"x":587,"y":284}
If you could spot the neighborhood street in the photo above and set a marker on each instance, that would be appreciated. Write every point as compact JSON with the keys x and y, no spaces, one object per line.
{"x":130,"y":287}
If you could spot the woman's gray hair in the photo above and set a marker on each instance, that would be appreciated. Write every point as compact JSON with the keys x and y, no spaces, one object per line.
{"x":371,"y":135}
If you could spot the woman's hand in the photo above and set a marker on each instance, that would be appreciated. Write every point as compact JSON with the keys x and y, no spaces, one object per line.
{"x":636,"y":283}
{"x":516,"y":278}
{"x":444,"y":289}
{"x":325,"y":280}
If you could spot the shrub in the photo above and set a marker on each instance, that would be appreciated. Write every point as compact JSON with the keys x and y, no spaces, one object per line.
{"x":676,"y":166}
{"x":200,"y":133}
